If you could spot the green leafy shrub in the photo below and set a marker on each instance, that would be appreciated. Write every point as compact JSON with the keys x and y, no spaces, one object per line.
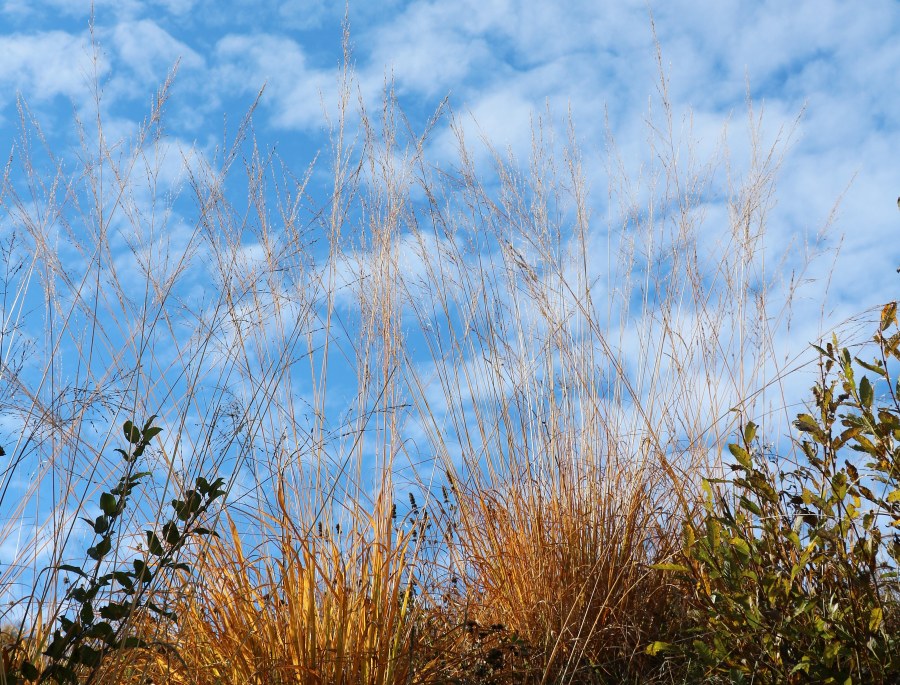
{"x":102,"y":606}
{"x":792,"y":574}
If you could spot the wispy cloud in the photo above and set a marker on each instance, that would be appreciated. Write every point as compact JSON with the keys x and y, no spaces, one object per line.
{"x":296,"y":89}
{"x":148,"y":52}
{"x":45,"y":65}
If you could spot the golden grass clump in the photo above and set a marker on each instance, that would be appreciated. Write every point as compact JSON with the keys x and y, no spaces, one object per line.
{"x":311,"y":606}
{"x":566,"y":571}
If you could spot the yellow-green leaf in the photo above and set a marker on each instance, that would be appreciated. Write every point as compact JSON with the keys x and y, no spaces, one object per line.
{"x":876,"y":367}
{"x":875,"y":617}
{"x":656,"y":647}
{"x":742,"y":456}
{"x":894,"y":496}
{"x":750,"y":506}
{"x":888,"y":315}
{"x":670,"y":567}
{"x":690,"y":537}
{"x":749,"y":432}
{"x":807,"y":423}
{"x":839,"y":484}
{"x":741,"y":546}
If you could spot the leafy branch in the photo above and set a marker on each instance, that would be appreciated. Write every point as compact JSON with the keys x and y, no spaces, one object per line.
{"x":93,"y":627}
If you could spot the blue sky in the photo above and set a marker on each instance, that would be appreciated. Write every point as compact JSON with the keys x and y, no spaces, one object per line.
{"x":502,"y":61}
{"x":821,"y":73}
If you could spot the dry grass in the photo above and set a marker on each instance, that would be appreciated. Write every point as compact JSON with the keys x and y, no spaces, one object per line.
{"x":424,"y":326}
{"x":321,"y":608}
{"x":577,"y":430}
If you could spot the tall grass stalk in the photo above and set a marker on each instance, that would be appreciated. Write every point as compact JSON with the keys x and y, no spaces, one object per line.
{"x":413,"y":324}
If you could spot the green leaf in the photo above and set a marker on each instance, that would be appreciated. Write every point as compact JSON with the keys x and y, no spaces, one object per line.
{"x":180,"y":510}
{"x":133,"y":643}
{"x":102,"y":630}
{"x":171,"y":615}
{"x":846,"y":436}
{"x":101,"y":525}
{"x":839,"y":484}
{"x":194,"y":501}
{"x":114,"y":611}
{"x":171,"y":533}
{"x":124,"y":579}
{"x":151,"y":433}
{"x":57,"y":647}
{"x":802,"y":666}
{"x":847,"y":364}
{"x":894,"y":496}
{"x":865,"y":393}
{"x":877,"y":367}
{"x":57,"y":673}
{"x":29,"y":670}
{"x":132,"y":432}
{"x":88,"y":656}
{"x":742,"y":456}
{"x":101,"y":549}
{"x":750,"y":506}
{"x":72,"y":569}
{"x":108,"y":503}
{"x":141,"y":570}
{"x":741,"y":546}
{"x":806,"y":423}
{"x":863,"y":444}
{"x":154,"y":545}
{"x":189,"y":506}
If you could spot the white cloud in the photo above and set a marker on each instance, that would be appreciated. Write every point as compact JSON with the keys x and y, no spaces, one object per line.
{"x":149,"y":52}
{"x":176,"y":7}
{"x":304,"y":14}
{"x":45,"y":65}
{"x":427,"y":50}
{"x":70,"y":8}
{"x":294,"y":89}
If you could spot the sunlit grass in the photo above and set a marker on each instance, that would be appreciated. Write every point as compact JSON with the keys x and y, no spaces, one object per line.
{"x":551,"y":385}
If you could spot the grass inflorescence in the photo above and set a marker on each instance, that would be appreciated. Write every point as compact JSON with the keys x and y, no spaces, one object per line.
{"x":427,"y":421}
